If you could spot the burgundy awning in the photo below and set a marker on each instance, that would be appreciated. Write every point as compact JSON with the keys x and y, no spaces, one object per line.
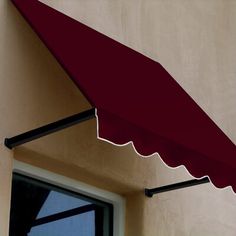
{"x":136,"y":99}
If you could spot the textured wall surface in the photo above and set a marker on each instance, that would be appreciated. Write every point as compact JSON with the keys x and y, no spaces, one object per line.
{"x":193,"y":40}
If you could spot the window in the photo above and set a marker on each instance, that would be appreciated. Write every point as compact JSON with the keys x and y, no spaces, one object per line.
{"x":40,"y":207}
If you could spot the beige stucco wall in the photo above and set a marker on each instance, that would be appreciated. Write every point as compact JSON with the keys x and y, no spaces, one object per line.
{"x":194,"y":40}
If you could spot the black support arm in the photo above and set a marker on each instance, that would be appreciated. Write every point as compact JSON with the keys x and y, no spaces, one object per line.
{"x":185,"y":184}
{"x":49,"y":128}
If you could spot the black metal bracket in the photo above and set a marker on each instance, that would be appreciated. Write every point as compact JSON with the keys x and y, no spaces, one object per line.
{"x":180,"y":185}
{"x":49,"y":128}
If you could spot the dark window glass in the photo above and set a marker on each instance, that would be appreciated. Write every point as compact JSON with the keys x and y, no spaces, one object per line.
{"x":41,"y":209}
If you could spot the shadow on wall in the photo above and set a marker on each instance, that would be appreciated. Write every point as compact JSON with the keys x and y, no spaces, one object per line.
{"x":74,"y":171}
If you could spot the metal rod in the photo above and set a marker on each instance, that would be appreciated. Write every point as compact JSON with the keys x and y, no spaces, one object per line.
{"x":185,"y":184}
{"x":64,"y":214}
{"x":49,"y":128}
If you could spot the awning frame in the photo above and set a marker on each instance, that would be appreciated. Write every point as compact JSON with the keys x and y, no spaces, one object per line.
{"x":76,"y":119}
{"x":171,"y":187}
{"x":49,"y":128}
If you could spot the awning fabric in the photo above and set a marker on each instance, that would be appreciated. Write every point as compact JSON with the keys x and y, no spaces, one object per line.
{"x":136,"y":99}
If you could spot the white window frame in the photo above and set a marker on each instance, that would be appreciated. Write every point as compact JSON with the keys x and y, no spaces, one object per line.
{"x":116,"y":200}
